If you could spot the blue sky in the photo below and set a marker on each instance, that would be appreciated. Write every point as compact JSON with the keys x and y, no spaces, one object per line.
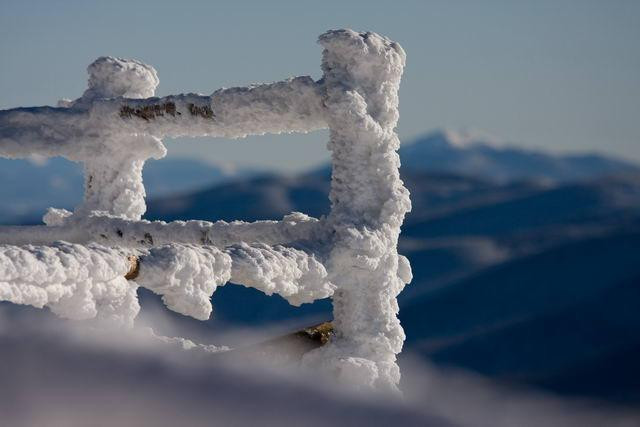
{"x":559,"y":75}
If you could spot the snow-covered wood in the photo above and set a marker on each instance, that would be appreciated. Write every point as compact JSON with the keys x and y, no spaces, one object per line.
{"x":122,"y":232}
{"x":76,"y":264}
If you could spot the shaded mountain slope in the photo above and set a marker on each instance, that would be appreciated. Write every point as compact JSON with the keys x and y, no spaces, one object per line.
{"x":31,"y":186}
{"x":596,"y":201}
{"x":551,"y":319}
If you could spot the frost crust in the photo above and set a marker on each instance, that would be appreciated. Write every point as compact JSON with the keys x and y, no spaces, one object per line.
{"x":74,"y":281}
{"x":362,"y":74}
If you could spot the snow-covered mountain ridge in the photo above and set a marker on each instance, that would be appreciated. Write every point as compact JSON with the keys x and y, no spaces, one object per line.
{"x":481,"y":155}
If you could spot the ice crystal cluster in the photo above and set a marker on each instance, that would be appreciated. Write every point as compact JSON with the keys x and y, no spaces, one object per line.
{"x":79,"y":264}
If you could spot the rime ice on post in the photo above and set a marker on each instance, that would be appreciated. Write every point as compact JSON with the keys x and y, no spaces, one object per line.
{"x":116,"y":125}
{"x":116,"y":186}
{"x":362,"y":76}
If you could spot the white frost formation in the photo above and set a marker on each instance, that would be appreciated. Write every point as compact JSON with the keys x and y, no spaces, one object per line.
{"x":83,"y":282}
{"x":116,"y":125}
{"x":289,"y":272}
{"x":112,"y":77}
{"x":186,"y":276}
{"x":74,"y":281}
{"x":362,"y":75}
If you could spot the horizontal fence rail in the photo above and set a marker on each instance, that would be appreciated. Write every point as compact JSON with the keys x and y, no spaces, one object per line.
{"x":293,"y":105}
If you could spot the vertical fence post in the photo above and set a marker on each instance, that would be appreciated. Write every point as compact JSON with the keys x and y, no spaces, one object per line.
{"x":362,"y":74}
{"x":115,"y":186}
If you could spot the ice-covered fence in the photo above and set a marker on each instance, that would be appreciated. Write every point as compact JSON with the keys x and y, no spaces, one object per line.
{"x":89,"y":263}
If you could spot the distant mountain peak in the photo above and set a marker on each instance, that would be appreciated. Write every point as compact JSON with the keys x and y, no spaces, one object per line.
{"x":462,"y":138}
{"x":480,"y":154}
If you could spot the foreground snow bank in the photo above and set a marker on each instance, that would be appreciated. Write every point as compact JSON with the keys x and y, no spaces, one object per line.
{"x":56,"y":374}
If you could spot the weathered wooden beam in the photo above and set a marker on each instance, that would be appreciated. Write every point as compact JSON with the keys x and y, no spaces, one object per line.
{"x":120,"y":232}
{"x":134,"y":268}
{"x":287,"y":349}
{"x":293,"y":105}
